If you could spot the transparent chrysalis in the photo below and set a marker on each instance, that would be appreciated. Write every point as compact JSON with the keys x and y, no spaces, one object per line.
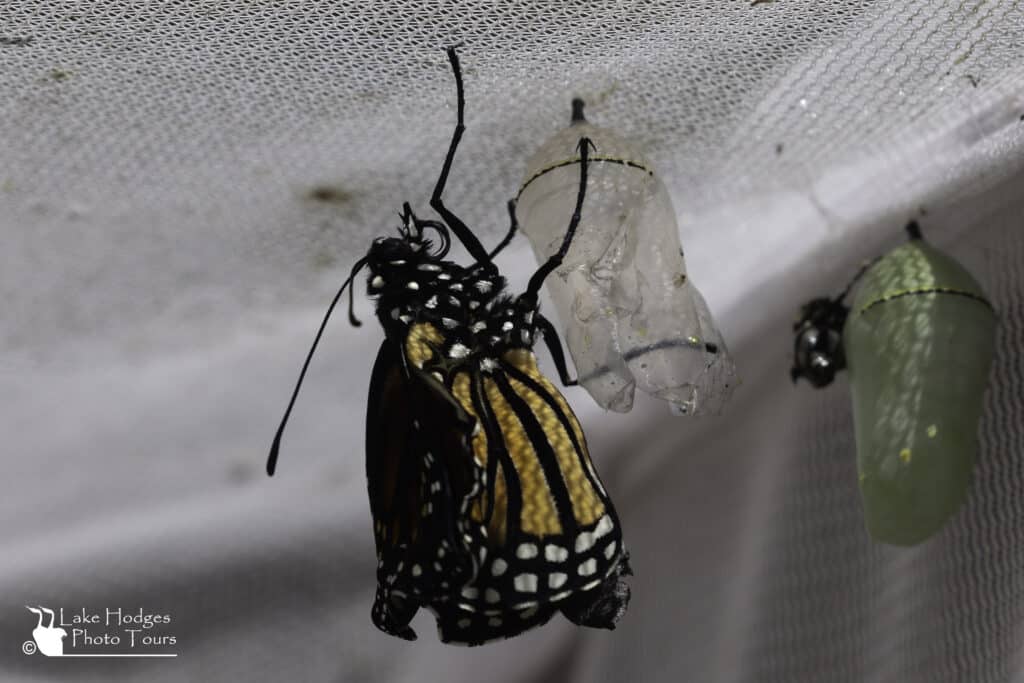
{"x":918,"y":340}
{"x":631,"y":316}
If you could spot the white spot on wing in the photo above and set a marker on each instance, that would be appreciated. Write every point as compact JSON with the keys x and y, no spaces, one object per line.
{"x":526,"y":550}
{"x":556,"y":580}
{"x":499,"y":567}
{"x":431,"y":302}
{"x":470,"y":593}
{"x":377,"y":282}
{"x":555,"y":553}
{"x":526,"y":583}
{"x":584,"y":542}
{"x":458,"y":351}
{"x":492,"y":596}
{"x":412,"y":285}
{"x":609,"y":550}
{"x":604,"y":525}
{"x":587,"y":568}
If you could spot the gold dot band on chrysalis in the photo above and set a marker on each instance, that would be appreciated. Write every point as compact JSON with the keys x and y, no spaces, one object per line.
{"x":590,"y":160}
{"x":926,"y":290}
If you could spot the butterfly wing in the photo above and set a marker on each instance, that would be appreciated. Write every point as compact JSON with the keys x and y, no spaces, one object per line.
{"x":554,"y":540}
{"x":419,"y":474}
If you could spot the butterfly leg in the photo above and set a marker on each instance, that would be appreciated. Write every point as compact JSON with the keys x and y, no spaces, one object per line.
{"x":537,"y":279}
{"x":513,"y":228}
{"x":465,"y":235}
{"x":554,"y":345}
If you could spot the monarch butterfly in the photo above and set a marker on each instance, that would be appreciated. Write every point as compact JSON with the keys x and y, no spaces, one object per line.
{"x":918,"y":340}
{"x":486,"y":506}
{"x":632,"y":316}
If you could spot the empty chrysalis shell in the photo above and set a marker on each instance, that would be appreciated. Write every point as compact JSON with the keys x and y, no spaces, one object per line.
{"x":918,"y":342}
{"x":631,"y":316}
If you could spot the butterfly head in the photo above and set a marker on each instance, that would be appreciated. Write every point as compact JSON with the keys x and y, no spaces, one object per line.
{"x":395,"y":261}
{"x":818,"y":347}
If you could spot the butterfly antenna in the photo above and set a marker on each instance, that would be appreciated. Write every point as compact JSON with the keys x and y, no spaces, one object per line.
{"x":275,"y":447}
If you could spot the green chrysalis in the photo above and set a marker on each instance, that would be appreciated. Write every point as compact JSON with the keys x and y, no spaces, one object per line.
{"x":918,"y":340}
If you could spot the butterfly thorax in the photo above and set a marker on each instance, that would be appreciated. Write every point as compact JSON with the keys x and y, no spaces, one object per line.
{"x":473,"y":319}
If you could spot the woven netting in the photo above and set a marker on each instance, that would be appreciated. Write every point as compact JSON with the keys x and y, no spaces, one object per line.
{"x":183,"y":185}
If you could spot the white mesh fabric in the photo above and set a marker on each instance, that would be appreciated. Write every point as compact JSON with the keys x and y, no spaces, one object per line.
{"x":164,"y":261}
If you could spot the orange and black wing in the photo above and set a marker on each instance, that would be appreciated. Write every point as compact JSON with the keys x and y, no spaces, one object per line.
{"x":554,"y":542}
{"x":488,"y":471}
{"x":419,"y":475}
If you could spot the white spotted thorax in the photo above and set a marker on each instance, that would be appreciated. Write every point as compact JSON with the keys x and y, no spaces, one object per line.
{"x":479,"y":319}
{"x":631,"y":316}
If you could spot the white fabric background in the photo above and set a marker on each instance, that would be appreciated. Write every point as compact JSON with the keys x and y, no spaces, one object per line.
{"x":163,"y":268}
